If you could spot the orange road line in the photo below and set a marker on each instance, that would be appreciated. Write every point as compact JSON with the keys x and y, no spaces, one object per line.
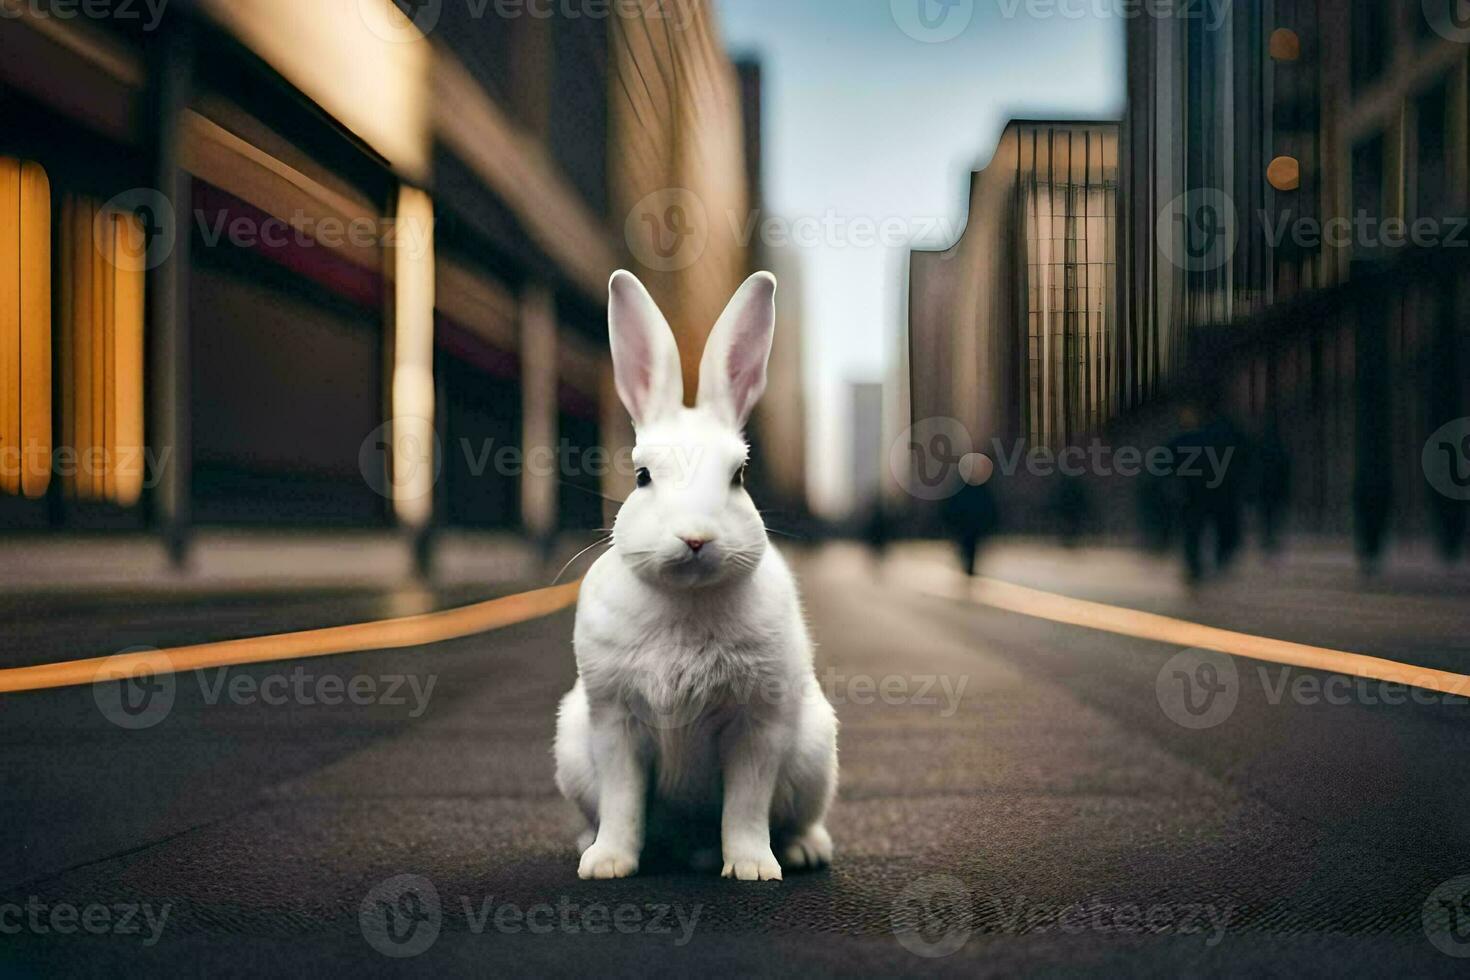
{"x":1057,"y":608}
{"x":387,"y":634}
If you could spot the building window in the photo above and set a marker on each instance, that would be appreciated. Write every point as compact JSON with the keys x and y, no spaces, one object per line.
{"x":25,"y":329}
{"x":1432,"y":153}
{"x":1368,"y":206}
{"x":1070,"y":275}
{"x":1432,"y":17}
{"x":1372,"y":40}
{"x":100,"y":334}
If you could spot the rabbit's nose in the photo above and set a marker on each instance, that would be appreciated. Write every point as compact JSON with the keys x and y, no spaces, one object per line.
{"x":694,"y":543}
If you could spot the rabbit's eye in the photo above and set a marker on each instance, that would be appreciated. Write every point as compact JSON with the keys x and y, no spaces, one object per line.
{"x":644,"y":477}
{"x":738,"y":480}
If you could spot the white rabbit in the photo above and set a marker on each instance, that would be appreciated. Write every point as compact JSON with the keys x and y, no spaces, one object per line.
{"x":696,"y":694}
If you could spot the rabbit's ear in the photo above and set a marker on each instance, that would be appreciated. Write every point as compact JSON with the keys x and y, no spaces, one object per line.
{"x":645,"y":357}
{"x":732,"y":375}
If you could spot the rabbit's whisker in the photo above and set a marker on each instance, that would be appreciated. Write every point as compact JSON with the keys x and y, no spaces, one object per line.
{"x":601,"y":541}
{"x":595,"y":493}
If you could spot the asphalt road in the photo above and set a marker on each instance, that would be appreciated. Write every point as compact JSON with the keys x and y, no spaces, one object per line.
{"x":1016,"y":795}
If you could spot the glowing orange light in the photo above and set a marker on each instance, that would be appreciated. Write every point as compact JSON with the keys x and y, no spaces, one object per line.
{"x":1284,"y":173}
{"x":1284,"y":45}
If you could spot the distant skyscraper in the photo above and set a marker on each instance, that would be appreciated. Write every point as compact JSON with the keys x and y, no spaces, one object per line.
{"x":777,"y":430}
{"x":868,"y":451}
{"x":679,"y":173}
{"x":1013,"y":329}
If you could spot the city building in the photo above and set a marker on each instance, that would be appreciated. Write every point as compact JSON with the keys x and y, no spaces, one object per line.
{"x":1013,"y":330}
{"x":340,"y":264}
{"x":777,"y":430}
{"x":868,"y":453}
{"x":678,"y":186}
{"x":1295,"y":183}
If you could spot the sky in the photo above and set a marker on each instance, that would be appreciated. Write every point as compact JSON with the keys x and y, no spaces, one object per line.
{"x":870,"y":137}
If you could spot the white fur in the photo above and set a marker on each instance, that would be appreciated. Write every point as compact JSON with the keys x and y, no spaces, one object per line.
{"x":695,"y":691}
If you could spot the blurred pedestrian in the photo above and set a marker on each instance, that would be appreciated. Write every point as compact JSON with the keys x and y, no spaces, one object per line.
{"x":875,"y":529}
{"x":1206,"y":474}
{"x":972,"y":517}
{"x":1372,"y":506}
{"x":1071,"y":508}
{"x":1272,"y":486}
{"x":1155,"y":513}
{"x":878,"y":531}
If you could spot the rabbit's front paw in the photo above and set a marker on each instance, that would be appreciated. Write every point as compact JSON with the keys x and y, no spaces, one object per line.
{"x":752,"y":864}
{"x":603,"y":860}
{"x":812,"y":849}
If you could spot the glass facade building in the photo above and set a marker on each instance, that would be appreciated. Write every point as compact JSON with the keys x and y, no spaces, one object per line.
{"x":1013,"y":330}
{"x":1325,"y":143}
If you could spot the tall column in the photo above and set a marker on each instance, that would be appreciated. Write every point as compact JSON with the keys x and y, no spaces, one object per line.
{"x":169,"y":284}
{"x":538,"y":411}
{"x":413,"y":361}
